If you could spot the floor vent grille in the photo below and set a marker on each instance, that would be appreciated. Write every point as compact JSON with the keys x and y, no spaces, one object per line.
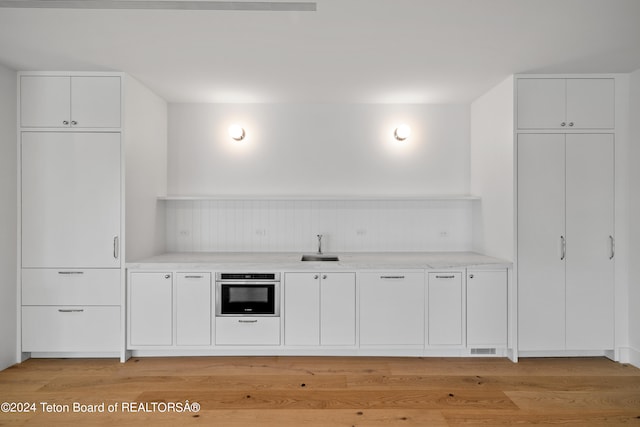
{"x":484,"y":351}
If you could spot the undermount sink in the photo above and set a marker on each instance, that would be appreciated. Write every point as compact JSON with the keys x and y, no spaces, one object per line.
{"x":319,"y":257}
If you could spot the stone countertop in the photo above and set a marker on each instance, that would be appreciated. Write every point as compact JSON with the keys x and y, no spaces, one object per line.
{"x":278,"y":261}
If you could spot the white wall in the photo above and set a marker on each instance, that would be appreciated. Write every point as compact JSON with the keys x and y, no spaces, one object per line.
{"x":634,"y":208}
{"x":318,"y":149}
{"x":300,"y":149}
{"x":145,"y":142}
{"x":8,"y":218}
{"x":492,"y":171}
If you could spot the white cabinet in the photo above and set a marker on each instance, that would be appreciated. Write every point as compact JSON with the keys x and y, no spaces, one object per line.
{"x":559,"y":103}
{"x":193,"y":309}
{"x":487,"y":308}
{"x":392,"y":309}
{"x":71,"y":310}
{"x":320,"y":309}
{"x":445,"y":318}
{"x":247,"y":331}
{"x":70,"y":200}
{"x":565,"y":242}
{"x":150,"y":309}
{"x":302,"y":309}
{"x":338,"y":309}
{"x":70,"y":329}
{"x":70,"y":101}
{"x":70,"y":213}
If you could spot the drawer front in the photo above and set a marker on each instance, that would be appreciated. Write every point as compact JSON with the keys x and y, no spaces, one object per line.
{"x":44,"y":286}
{"x":247,"y":331}
{"x":64,"y":328}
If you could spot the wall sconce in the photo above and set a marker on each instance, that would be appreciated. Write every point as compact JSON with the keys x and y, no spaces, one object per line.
{"x":402,"y":132}
{"x":237,"y":132}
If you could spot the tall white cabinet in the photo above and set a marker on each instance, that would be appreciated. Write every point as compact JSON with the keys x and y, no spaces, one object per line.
{"x":565,"y":234}
{"x":71,"y":242}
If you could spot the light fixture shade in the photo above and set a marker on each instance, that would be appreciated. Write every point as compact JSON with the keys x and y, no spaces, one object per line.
{"x":237,"y":132}
{"x":402,"y":132}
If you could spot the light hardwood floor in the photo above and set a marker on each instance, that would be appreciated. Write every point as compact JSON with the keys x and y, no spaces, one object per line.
{"x":326,"y":391}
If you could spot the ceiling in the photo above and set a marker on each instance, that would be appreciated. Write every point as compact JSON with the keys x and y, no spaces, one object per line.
{"x":348,"y":51}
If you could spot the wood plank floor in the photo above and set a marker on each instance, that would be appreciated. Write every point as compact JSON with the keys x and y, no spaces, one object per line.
{"x":323,"y":391}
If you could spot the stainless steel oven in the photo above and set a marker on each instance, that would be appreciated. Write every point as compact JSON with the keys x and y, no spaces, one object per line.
{"x":248,"y":294}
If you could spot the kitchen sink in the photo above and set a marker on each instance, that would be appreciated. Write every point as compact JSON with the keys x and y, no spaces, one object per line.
{"x":319,"y":257}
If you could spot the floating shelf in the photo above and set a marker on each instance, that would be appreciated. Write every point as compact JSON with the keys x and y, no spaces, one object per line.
{"x":409,"y":197}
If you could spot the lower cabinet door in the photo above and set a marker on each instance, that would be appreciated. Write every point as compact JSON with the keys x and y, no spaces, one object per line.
{"x":193,"y":309}
{"x":445,"y":308}
{"x":486,"y":308}
{"x":392,"y":309}
{"x":70,"y":329}
{"x":150,"y":309}
{"x":247,"y":330}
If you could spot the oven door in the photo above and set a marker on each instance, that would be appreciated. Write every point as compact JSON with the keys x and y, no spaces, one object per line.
{"x":247,"y":299}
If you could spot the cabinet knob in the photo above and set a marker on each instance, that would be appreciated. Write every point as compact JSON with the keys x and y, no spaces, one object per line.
{"x":471,"y":276}
{"x":563,"y":124}
{"x":570,"y":124}
{"x":73,"y":123}
{"x":167,"y":276}
{"x":324,"y":276}
{"x":65,"y":122}
{"x":316,"y":277}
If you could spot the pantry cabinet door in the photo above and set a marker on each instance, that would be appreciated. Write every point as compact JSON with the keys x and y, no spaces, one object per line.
{"x":95,"y":102}
{"x":541,"y":266}
{"x":590,"y":103}
{"x":590,"y":253}
{"x":70,"y":200}
{"x":45,"y":101}
{"x":541,"y":103}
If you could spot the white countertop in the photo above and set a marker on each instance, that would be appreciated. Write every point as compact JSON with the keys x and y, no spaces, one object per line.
{"x":274,"y":261}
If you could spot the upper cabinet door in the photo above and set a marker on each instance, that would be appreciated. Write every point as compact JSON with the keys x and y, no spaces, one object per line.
{"x":70,"y":200}
{"x":45,"y":101}
{"x":590,"y":103}
{"x":541,"y":103}
{"x":566,"y":104}
{"x":70,"y":102}
{"x":95,"y":102}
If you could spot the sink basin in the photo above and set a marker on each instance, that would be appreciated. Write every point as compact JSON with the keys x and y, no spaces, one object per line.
{"x":319,"y":257}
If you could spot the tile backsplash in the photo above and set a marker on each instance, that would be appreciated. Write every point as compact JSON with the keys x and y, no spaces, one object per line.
{"x":292,"y":225}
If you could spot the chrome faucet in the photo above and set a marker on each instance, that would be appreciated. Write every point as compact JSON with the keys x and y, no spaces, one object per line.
{"x":320,"y":244}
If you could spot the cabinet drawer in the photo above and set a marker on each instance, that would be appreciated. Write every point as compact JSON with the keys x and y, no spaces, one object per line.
{"x":63,"y":328}
{"x":247,"y":330}
{"x":70,"y":287}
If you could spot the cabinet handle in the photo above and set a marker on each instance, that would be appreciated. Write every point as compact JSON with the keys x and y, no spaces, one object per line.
{"x":446,"y":277}
{"x":563,"y":248}
{"x":193,"y":277}
{"x":570,"y":124}
{"x":65,"y":122}
{"x":73,"y":123}
{"x":70,"y":272}
{"x":70,"y":310}
{"x":563,"y":124}
{"x":613,"y":247}
{"x":248,"y":321}
{"x":116,"y":247}
{"x":392,"y":277}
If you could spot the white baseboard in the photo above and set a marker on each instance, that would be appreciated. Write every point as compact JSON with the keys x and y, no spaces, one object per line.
{"x":630,"y":355}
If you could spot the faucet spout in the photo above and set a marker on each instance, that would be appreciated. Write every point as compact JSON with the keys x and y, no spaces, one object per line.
{"x":320,"y":244}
